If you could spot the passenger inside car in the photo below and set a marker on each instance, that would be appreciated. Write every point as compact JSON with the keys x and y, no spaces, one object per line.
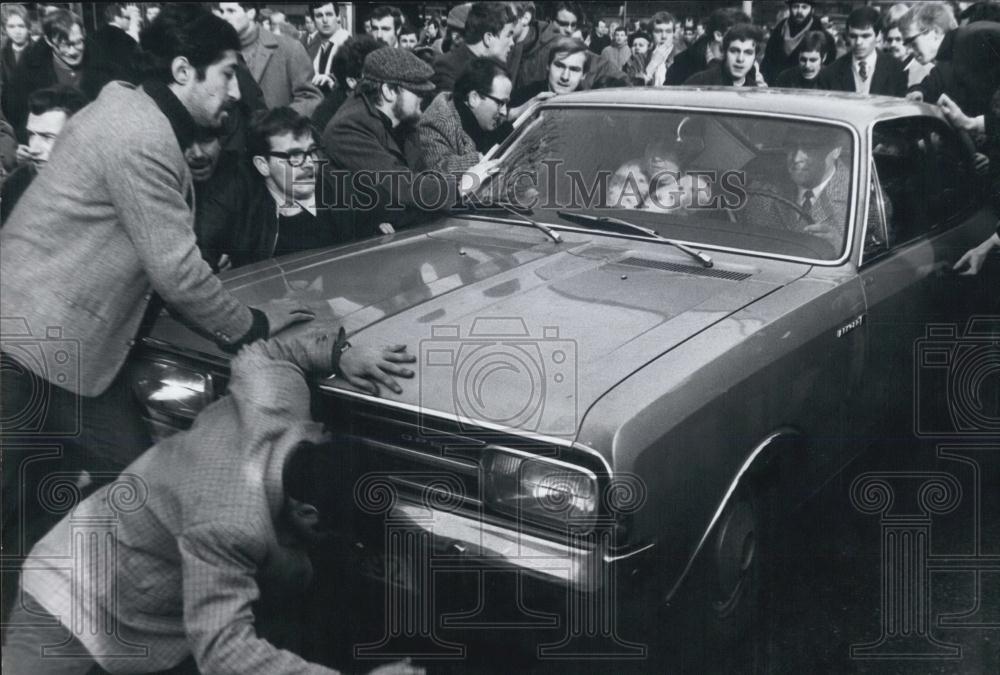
{"x":628,"y":187}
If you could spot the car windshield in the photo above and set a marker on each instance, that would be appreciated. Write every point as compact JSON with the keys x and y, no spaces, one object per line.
{"x":763,"y":184}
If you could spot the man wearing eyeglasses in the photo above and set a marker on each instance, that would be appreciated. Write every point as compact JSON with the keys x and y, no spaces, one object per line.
{"x":964,"y":58}
{"x":61,"y":57}
{"x":459,"y":128}
{"x":286,"y":215}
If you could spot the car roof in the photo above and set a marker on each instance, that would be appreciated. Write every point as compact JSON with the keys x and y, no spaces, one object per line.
{"x":858,"y":110}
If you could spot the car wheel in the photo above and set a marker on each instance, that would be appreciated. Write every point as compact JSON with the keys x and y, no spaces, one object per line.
{"x":739,"y":584}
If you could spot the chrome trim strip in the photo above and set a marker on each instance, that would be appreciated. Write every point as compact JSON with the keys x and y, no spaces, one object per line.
{"x":625,"y":556}
{"x":548,"y":460}
{"x":491,"y":544}
{"x":154,"y":343}
{"x":722,"y":507}
{"x":451,"y":417}
{"x":417,"y":456}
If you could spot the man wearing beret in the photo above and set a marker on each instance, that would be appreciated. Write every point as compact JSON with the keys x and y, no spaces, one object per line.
{"x":365,"y":142}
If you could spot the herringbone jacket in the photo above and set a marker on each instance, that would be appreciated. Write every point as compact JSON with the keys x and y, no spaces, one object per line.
{"x":168,"y":560}
{"x":445,"y":144}
{"x":108,"y":223}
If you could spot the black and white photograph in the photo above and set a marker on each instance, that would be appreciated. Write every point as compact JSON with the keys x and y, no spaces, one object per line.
{"x":500,"y":337}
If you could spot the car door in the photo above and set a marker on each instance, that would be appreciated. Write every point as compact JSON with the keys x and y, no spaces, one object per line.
{"x":925,"y":210}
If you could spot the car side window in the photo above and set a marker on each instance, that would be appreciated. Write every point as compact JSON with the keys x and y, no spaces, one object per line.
{"x":924,"y":176}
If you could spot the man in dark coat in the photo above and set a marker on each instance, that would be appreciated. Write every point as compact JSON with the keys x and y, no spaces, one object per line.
{"x":787,"y":37}
{"x":114,"y":48}
{"x":18,"y":39}
{"x":347,"y":64}
{"x":533,"y":51}
{"x":49,"y":110}
{"x":61,"y":57}
{"x":705,"y":49}
{"x":812,"y":53}
{"x":965,"y":62}
{"x":365,"y":142}
{"x":865,"y":69}
{"x":489,"y":31}
{"x":736,"y":68}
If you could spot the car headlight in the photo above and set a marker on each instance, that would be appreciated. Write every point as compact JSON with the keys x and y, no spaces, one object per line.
{"x":166,"y":388}
{"x":545,"y":491}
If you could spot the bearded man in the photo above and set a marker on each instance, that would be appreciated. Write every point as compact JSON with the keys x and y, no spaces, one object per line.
{"x":782,"y":51}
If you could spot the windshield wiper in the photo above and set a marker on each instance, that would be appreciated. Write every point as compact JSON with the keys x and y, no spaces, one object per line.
{"x":510,"y":208}
{"x":631,"y":228}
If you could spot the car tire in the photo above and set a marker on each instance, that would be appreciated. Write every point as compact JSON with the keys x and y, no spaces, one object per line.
{"x":740,"y":583}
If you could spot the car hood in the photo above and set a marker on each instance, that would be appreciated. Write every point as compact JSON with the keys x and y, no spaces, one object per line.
{"x":509,"y":327}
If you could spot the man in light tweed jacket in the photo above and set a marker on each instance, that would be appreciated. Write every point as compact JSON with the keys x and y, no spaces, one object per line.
{"x":168,"y":561}
{"x":104,"y":228}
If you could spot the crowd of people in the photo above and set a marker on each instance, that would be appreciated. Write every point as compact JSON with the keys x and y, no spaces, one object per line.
{"x":141,"y":159}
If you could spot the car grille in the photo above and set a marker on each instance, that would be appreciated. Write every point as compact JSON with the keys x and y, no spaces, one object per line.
{"x":429,"y":460}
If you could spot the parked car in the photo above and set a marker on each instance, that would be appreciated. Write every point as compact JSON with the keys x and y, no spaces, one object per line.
{"x":640,"y":347}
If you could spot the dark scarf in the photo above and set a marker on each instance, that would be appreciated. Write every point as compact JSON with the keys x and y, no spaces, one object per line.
{"x":481,"y":139}
{"x":180,"y":119}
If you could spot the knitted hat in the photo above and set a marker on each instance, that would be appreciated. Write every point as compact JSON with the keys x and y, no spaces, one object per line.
{"x":459,"y":15}
{"x":394,"y":65}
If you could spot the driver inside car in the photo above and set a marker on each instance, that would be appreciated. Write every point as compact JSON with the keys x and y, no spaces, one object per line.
{"x":813,"y":194}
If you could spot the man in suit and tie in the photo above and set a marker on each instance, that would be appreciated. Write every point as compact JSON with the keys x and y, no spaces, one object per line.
{"x":814,"y":194}
{"x":329,"y":36}
{"x":864,"y":69}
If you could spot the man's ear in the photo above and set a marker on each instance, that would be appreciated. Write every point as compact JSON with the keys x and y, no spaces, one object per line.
{"x":352,"y":83}
{"x":834,"y":154}
{"x":181,"y":70}
{"x":263,"y":168}
{"x":717,"y":36}
{"x":306,"y":511}
{"x":307,"y":514}
{"x":252,"y":13}
{"x":388,"y":95}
